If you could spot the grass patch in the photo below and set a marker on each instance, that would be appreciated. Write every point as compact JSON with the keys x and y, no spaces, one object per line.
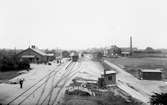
{"x":133,"y":64}
{"x":8,"y":75}
{"x":5,"y":76}
{"x":108,"y":99}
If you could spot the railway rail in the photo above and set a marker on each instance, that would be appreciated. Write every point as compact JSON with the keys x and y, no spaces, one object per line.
{"x":70,"y":77}
{"x":21,"y":98}
{"x":65,"y":75}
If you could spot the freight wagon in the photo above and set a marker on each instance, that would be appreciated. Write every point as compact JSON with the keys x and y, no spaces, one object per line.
{"x":74,"y":57}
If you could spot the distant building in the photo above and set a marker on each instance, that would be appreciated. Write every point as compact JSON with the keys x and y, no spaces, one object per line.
{"x":112,"y":51}
{"x":35,"y":55}
{"x":125,"y":53}
{"x":115,"y":51}
{"x":149,"y":74}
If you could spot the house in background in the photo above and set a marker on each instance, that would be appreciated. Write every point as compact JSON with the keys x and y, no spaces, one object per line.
{"x":113,"y":51}
{"x":35,"y":55}
{"x":126,"y":51}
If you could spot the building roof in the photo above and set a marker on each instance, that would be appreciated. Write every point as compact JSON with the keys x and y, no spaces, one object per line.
{"x":38,"y":51}
{"x":127,"y":49}
{"x":73,"y":53}
{"x":50,"y":54}
{"x":28,"y":56}
{"x":91,"y":81}
{"x":35,"y":49}
{"x":41,"y":52}
{"x":109,"y":72}
{"x":125,"y":52}
{"x":151,"y":70}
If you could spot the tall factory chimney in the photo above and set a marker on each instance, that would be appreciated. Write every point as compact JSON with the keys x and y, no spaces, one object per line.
{"x":131,"y":49}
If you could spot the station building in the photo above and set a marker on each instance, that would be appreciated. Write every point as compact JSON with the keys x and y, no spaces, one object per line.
{"x":150,"y":74}
{"x":35,"y":55}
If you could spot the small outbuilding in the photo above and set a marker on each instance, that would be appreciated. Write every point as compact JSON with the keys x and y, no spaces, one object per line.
{"x":110,"y":77}
{"x":150,"y":74}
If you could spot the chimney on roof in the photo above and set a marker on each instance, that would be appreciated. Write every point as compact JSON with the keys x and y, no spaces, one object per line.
{"x":33,"y":46}
{"x":104,"y":72}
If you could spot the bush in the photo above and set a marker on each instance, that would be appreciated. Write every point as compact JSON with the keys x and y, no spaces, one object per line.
{"x":98,"y":56}
{"x":111,"y":99}
{"x":12,"y":63}
{"x":79,"y":93}
{"x":65,"y":54}
{"x":158,"y":99}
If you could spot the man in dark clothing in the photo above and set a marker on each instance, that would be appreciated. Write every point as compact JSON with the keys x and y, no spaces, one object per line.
{"x":57,"y":61}
{"x":21,"y":83}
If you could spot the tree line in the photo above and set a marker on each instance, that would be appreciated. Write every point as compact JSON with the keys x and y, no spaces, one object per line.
{"x":10,"y":62}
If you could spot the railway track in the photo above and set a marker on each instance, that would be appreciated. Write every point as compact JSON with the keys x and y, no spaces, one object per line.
{"x":49,"y":98}
{"x":40,"y":85}
{"x":62,"y":88}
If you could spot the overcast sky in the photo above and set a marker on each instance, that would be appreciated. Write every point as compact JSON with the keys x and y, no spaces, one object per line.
{"x":81,"y":24}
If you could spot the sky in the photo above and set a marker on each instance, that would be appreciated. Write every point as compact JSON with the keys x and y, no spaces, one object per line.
{"x":81,"y":24}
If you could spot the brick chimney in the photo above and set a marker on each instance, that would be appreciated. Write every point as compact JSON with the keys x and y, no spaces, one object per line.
{"x":33,"y":46}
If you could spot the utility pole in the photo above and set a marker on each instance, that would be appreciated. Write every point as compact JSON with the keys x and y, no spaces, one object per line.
{"x":131,"y":47}
{"x":15,"y":50}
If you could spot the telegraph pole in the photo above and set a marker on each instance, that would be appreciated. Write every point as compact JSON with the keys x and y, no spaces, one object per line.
{"x":131,"y":47}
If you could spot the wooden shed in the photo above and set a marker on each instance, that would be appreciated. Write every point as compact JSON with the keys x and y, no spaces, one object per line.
{"x":150,"y":74}
{"x":110,"y":77}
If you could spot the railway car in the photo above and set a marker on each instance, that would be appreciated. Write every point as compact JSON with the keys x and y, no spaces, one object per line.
{"x":74,"y":57}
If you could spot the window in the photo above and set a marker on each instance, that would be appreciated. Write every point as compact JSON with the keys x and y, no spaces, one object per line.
{"x":110,"y":78}
{"x":37,"y":59}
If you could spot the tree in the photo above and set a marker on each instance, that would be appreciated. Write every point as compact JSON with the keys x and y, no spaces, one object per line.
{"x":115,"y":50}
{"x":98,"y":56}
{"x":65,"y":54}
{"x":8,"y":63}
{"x":158,"y":99}
{"x":149,"y":49}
